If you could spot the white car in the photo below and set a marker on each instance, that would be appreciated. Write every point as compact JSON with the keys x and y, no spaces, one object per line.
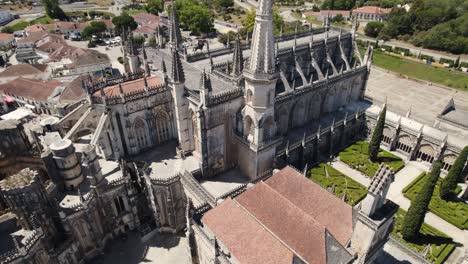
{"x":112,"y":41}
{"x":108,"y":42}
{"x":118,"y":39}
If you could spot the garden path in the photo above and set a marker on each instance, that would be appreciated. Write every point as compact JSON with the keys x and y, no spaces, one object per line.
{"x":402,"y":178}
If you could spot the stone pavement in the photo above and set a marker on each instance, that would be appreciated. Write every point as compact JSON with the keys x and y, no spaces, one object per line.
{"x":412,"y":170}
{"x":161,"y":249}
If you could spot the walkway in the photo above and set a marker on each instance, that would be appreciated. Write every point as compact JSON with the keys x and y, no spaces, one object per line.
{"x":411,"y":170}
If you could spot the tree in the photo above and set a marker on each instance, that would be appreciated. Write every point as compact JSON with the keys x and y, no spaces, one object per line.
{"x":377,"y":135}
{"x":418,"y":208}
{"x":95,"y":28}
{"x":138,"y":40}
{"x":154,"y":6}
{"x":124,"y":21}
{"x":373,"y":29}
{"x":53,"y":9}
{"x":457,"y":63}
{"x":7,"y":29}
{"x":194,"y":17}
{"x":449,"y":183}
{"x":223,"y":38}
{"x":338,"y":18}
{"x":152,"y":41}
{"x":249,"y":21}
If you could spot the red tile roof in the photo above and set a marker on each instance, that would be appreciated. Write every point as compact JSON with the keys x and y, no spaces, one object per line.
{"x":5,"y":36}
{"x":146,"y":18}
{"x":30,"y":89}
{"x":244,"y":236}
{"x":23,"y":69}
{"x":315,"y":201}
{"x":290,"y":224}
{"x":292,"y":208}
{"x":129,"y":87}
{"x":144,"y":30}
{"x":73,"y":91}
{"x":372,"y":10}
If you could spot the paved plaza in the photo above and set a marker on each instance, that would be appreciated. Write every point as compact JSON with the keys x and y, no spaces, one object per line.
{"x":161,"y":249}
{"x":425,"y":100}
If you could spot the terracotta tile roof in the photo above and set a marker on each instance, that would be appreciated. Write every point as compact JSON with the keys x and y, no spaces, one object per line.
{"x":30,"y":89}
{"x":81,"y":57}
{"x":35,"y":28}
{"x":324,"y":207}
{"x":146,"y":18}
{"x":372,"y":10}
{"x":33,"y":37}
{"x":131,"y":86}
{"x":290,"y":224}
{"x":23,"y":69}
{"x":5,"y":36}
{"x":245,"y":237}
{"x":293,"y":209}
{"x":73,"y":91}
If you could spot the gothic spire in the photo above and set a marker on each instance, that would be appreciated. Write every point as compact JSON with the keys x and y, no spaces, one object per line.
{"x":238,"y":58}
{"x":145,"y":62}
{"x":175,"y":37}
{"x":262,"y":55}
{"x":163,"y":66}
{"x":205,"y":82}
{"x":177,"y":70}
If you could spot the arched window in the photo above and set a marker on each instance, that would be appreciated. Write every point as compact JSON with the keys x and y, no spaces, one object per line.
{"x":140,"y":133}
{"x":162,"y":126}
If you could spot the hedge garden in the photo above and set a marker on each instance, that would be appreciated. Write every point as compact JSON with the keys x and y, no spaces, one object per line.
{"x":356,"y":156}
{"x":355,"y":191}
{"x":441,"y":244}
{"x":453,"y":212}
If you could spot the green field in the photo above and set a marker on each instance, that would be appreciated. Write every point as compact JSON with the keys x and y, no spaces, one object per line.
{"x":453,"y":212}
{"x":356,"y":157}
{"x":19,"y":26}
{"x":43,"y":20}
{"x":340,"y":183}
{"x":441,"y":244}
{"x":420,"y":71}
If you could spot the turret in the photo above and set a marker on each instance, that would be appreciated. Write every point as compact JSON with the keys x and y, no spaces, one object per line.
{"x":175,"y":37}
{"x":237,"y":58}
{"x":67,"y":163}
{"x":205,"y":89}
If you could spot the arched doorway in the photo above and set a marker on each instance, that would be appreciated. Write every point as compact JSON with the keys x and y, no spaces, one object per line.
{"x":404,"y":144}
{"x":447,"y":161}
{"x":426,"y":153}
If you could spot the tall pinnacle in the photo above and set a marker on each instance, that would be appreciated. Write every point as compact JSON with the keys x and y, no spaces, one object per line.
{"x":262,"y":59}
{"x":237,"y":58}
{"x":175,"y":37}
{"x":178,"y":75}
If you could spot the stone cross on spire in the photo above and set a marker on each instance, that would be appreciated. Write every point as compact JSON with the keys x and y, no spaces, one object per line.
{"x":175,"y":37}
{"x":262,"y":59}
{"x":177,"y":70}
{"x":237,"y":58}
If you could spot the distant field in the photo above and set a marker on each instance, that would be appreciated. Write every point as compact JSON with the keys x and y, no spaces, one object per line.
{"x":421,"y":71}
{"x":19,"y":26}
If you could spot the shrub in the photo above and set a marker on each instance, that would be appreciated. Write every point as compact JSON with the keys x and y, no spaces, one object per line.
{"x":426,"y":57}
{"x":377,"y":136}
{"x":451,"y":63}
{"x":419,"y":205}
{"x":449,"y":184}
{"x":373,"y":28}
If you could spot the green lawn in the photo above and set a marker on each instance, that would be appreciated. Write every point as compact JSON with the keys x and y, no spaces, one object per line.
{"x":441,"y":244}
{"x":43,"y":20}
{"x":19,"y":26}
{"x":356,"y":157}
{"x":133,"y":12}
{"x":421,"y":71}
{"x":453,"y":212}
{"x":355,"y":191}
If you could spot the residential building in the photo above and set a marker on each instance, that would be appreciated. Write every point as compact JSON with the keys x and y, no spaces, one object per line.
{"x":371,"y":13}
{"x":28,"y":71}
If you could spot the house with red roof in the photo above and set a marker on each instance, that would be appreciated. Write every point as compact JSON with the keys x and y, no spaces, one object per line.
{"x":371,"y":13}
{"x":323,"y":14}
{"x":6,"y":40}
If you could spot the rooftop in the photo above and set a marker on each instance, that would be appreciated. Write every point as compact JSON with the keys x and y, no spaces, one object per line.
{"x":5,"y":36}
{"x":130,"y":86}
{"x":372,"y":10}
{"x":31,"y":89}
{"x":20,"y":179}
{"x":287,"y":208}
{"x":23,"y":69}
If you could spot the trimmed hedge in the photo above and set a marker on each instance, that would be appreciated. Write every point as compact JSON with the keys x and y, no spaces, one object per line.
{"x":355,"y":191}
{"x":411,"y":184}
{"x":456,"y":213}
{"x":357,"y":158}
{"x":441,"y":249}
